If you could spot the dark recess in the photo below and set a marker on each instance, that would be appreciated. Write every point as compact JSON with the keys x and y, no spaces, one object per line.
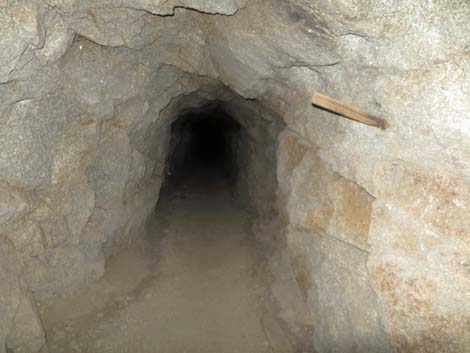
{"x":203,"y":144}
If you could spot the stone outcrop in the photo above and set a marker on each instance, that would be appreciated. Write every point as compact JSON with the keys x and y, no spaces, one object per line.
{"x":20,"y":327}
{"x":376,"y":222}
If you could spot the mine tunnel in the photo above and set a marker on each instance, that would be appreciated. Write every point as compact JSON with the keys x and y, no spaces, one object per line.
{"x":204,"y":144}
{"x":226,"y":176}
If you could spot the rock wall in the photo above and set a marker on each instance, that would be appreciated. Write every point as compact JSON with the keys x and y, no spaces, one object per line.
{"x":256,"y":183}
{"x":376,"y":222}
{"x":20,"y":327}
{"x":83,"y":139}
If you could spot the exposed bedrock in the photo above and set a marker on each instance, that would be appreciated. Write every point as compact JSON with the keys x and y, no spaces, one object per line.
{"x":374,"y":224}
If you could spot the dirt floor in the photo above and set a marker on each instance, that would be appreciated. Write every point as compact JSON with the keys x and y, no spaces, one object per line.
{"x":197,"y":284}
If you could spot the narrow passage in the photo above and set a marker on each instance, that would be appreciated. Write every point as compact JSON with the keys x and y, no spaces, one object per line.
{"x":196,"y":284}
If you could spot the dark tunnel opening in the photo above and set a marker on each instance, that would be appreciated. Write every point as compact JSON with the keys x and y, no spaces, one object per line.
{"x":203,"y":145}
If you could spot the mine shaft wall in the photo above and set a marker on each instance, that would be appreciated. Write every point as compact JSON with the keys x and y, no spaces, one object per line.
{"x":375,"y":222}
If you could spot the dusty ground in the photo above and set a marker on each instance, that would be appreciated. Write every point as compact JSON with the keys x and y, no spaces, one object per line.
{"x":197,"y":284}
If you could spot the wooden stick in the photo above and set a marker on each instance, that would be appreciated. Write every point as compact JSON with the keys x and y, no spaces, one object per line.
{"x":348,"y":111}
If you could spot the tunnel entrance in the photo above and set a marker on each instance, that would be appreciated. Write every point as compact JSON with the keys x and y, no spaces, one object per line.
{"x":203,"y":144}
{"x":200,"y":280}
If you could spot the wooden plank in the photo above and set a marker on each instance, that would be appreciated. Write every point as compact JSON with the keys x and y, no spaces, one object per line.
{"x":347,"y":111}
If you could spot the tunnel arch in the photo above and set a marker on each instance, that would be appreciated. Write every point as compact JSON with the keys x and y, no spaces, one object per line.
{"x":208,"y":140}
{"x":88,"y":93}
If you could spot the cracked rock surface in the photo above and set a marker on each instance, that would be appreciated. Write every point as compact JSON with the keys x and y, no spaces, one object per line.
{"x":376,"y":219}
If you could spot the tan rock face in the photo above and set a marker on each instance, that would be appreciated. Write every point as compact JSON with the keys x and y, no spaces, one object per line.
{"x":353,"y":206}
{"x":20,"y":327}
{"x":327,"y":238}
{"x":84,"y":132}
{"x":13,"y":205}
{"x":295,"y":151}
{"x":441,"y":202}
{"x":415,"y":236}
{"x":320,"y":200}
{"x":26,"y":334}
{"x":422,"y":278}
{"x":419,"y":257}
{"x":347,"y":314}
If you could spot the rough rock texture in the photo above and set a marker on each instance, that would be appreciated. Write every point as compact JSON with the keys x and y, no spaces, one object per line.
{"x":422,"y":277}
{"x":318,"y":199}
{"x":20,"y":327}
{"x":355,"y":51}
{"x":256,"y":154}
{"x":333,"y":276}
{"x":88,"y":92}
{"x":327,"y":238}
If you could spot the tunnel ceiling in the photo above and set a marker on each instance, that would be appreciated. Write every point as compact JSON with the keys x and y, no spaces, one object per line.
{"x":88,"y":93}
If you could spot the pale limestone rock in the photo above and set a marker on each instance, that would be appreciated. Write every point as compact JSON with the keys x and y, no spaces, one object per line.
{"x":20,"y":327}
{"x":24,"y":160}
{"x":19,"y":28}
{"x":75,"y":201}
{"x":26,"y":235}
{"x":422,"y":277}
{"x":130,"y":113}
{"x":9,"y":291}
{"x":333,"y":275}
{"x":109,"y":172}
{"x":58,"y":37}
{"x":13,"y":204}
{"x":85,"y":129}
{"x":55,"y":231}
{"x":319,"y":200}
{"x":60,"y":271}
{"x":441,"y":202}
{"x":158,"y":7}
{"x":26,"y":334}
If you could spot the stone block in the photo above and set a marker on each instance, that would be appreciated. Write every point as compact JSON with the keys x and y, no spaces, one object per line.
{"x":318,"y":199}
{"x":440,"y":202}
{"x":348,"y":315}
{"x":27,"y":334}
{"x":13,"y":204}
{"x":422,"y":277}
{"x":20,"y":327}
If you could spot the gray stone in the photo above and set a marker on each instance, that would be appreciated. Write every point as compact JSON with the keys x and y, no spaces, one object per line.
{"x":88,"y":92}
{"x":20,"y":327}
{"x":109,"y":172}
{"x":55,"y":231}
{"x":334,"y":275}
{"x":13,"y":204}
{"x":26,"y":235}
{"x":26,"y":334}
{"x":24,"y":160}
{"x":60,"y":271}
{"x":58,"y":37}
{"x":19,"y":28}
{"x":9,"y":291}
{"x":420,"y":273}
{"x":158,"y":7}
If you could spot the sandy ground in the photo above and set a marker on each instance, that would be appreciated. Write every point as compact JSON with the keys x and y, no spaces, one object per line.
{"x":197,"y":284}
